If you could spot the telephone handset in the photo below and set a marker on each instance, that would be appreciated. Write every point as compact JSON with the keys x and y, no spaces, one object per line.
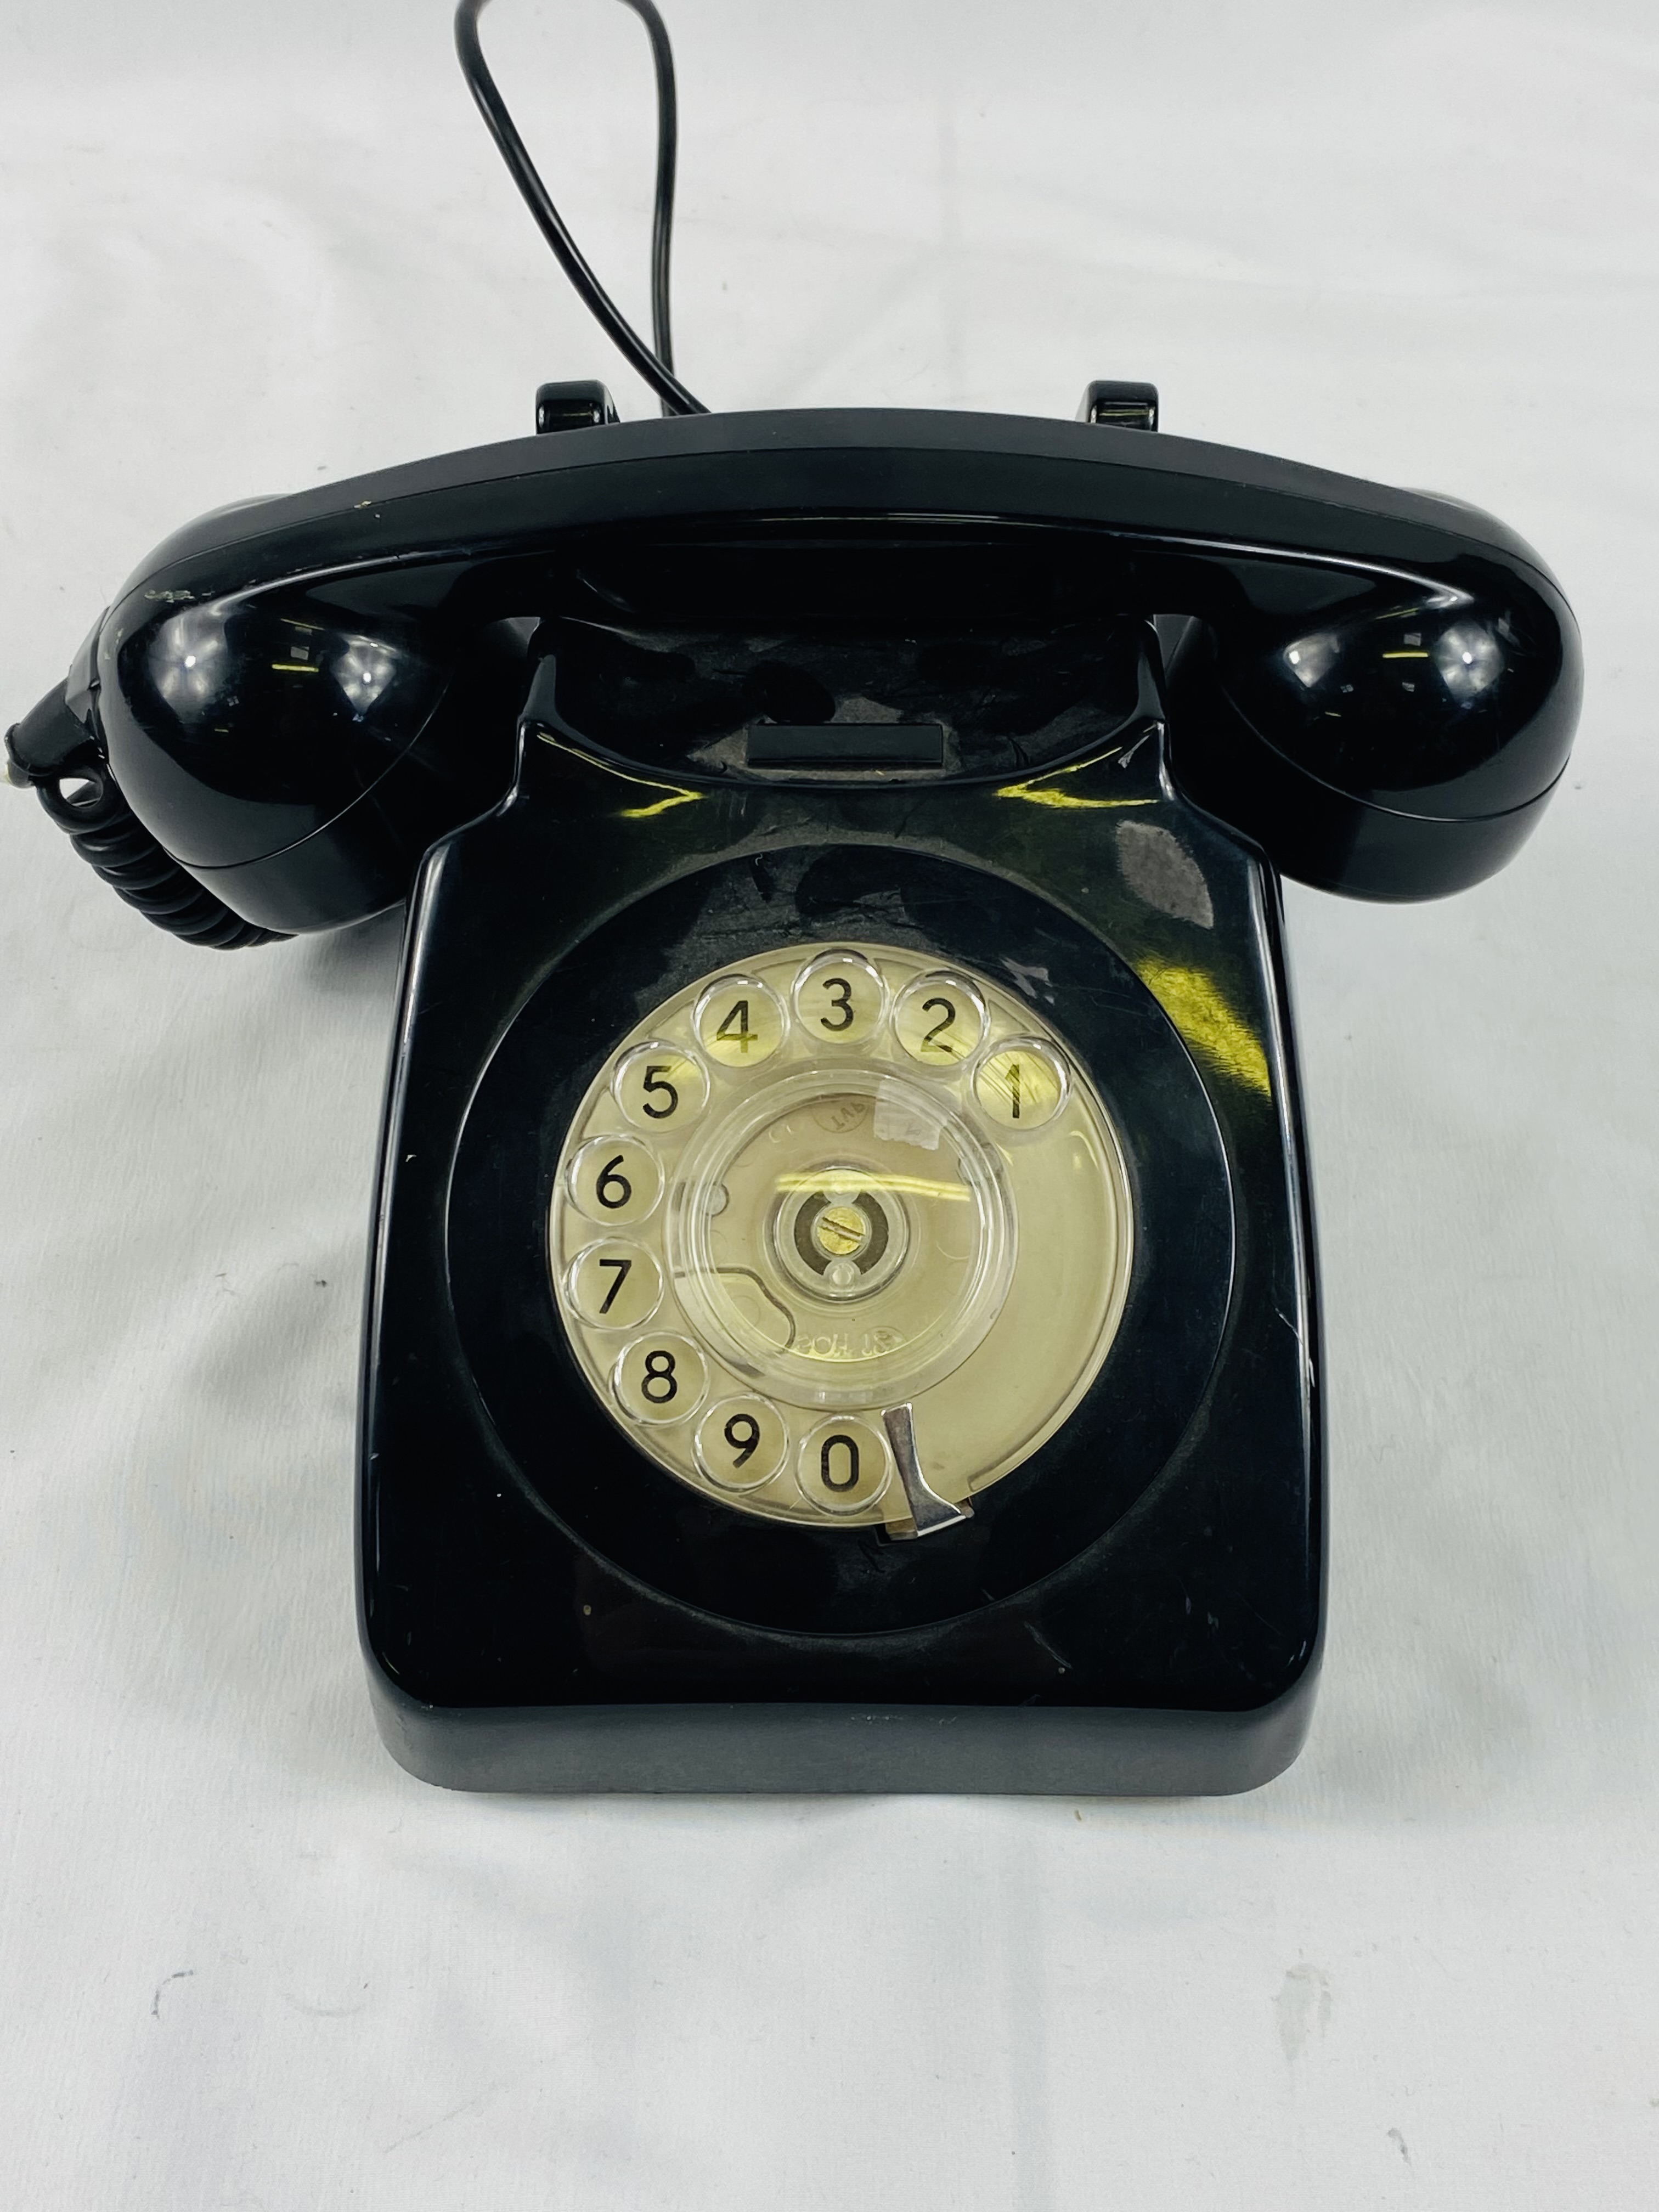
{"x":296,"y":697}
{"x":843,"y":1250}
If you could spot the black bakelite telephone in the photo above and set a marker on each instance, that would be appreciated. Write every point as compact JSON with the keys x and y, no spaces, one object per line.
{"x":842,"y":1312}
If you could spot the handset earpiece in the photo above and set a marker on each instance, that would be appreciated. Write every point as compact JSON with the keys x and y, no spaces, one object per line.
{"x":247,"y":765}
{"x":1386,"y":733}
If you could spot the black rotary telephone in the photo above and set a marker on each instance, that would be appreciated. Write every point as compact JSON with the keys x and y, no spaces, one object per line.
{"x":842,"y":1312}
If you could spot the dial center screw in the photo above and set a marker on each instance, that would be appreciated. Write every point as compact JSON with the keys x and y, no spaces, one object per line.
{"x":840,"y":1231}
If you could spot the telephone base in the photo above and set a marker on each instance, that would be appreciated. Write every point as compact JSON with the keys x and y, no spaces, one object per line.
{"x":676,"y":1072}
{"x":823,"y":1750}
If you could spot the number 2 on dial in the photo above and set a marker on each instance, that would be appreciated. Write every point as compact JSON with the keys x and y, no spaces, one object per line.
{"x":940,"y":1021}
{"x":947,"y":1020}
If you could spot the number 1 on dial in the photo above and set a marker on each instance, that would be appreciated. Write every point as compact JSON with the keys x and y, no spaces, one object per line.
{"x":1021,"y":1084}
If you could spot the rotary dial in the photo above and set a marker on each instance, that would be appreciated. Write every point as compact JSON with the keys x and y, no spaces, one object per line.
{"x":842,"y":1236}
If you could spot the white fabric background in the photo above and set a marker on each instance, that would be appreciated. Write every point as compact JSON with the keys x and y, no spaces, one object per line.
{"x":248,"y":1962}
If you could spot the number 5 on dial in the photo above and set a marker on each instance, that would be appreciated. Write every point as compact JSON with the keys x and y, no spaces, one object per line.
{"x":661,"y":1086}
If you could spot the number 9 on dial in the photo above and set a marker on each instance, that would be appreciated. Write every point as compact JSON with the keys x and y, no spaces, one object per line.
{"x":741,"y":1442}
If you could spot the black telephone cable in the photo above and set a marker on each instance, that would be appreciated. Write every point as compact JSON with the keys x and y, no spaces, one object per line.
{"x":656,"y":367}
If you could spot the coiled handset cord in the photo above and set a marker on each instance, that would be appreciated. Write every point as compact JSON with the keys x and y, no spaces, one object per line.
{"x":58,"y":752}
{"x":109,"y":836}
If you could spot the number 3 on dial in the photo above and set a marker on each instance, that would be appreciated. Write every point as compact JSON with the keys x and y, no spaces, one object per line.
{"x":839,"y":999}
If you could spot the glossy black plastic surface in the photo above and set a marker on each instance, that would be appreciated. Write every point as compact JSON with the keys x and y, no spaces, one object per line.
{"x":580,"y":405}
{"x":49,"y":741}
{"x":1376,"y":657}
{"x":836,"y":1581}
{"x":541,"y":1608}
{"x":1115,"y":405}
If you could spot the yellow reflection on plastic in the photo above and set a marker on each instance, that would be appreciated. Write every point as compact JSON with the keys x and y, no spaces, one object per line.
{"x":917,"y":1186}
{"x":1201,"y":1013}
{"x":676,"y":798}
{"x":675,"y":794}
{"x":1045,"y":791}
{"x":1046,"y":795}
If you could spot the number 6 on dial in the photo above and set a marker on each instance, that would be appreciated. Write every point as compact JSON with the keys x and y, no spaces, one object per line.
{"x":614,"y":1180}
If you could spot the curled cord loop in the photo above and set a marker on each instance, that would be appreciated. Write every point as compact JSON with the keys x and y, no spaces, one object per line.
{"x":109,"y":836}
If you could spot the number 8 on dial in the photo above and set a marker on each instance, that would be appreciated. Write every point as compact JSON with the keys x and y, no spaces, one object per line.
{"x":660,"y":1378}
{"x":807,"y":1225}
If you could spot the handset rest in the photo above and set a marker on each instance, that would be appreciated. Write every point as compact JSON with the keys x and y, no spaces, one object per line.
{"x":298,"y":695}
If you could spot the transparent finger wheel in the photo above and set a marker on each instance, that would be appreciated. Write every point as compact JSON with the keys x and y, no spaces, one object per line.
{"x":842,"y":1236}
